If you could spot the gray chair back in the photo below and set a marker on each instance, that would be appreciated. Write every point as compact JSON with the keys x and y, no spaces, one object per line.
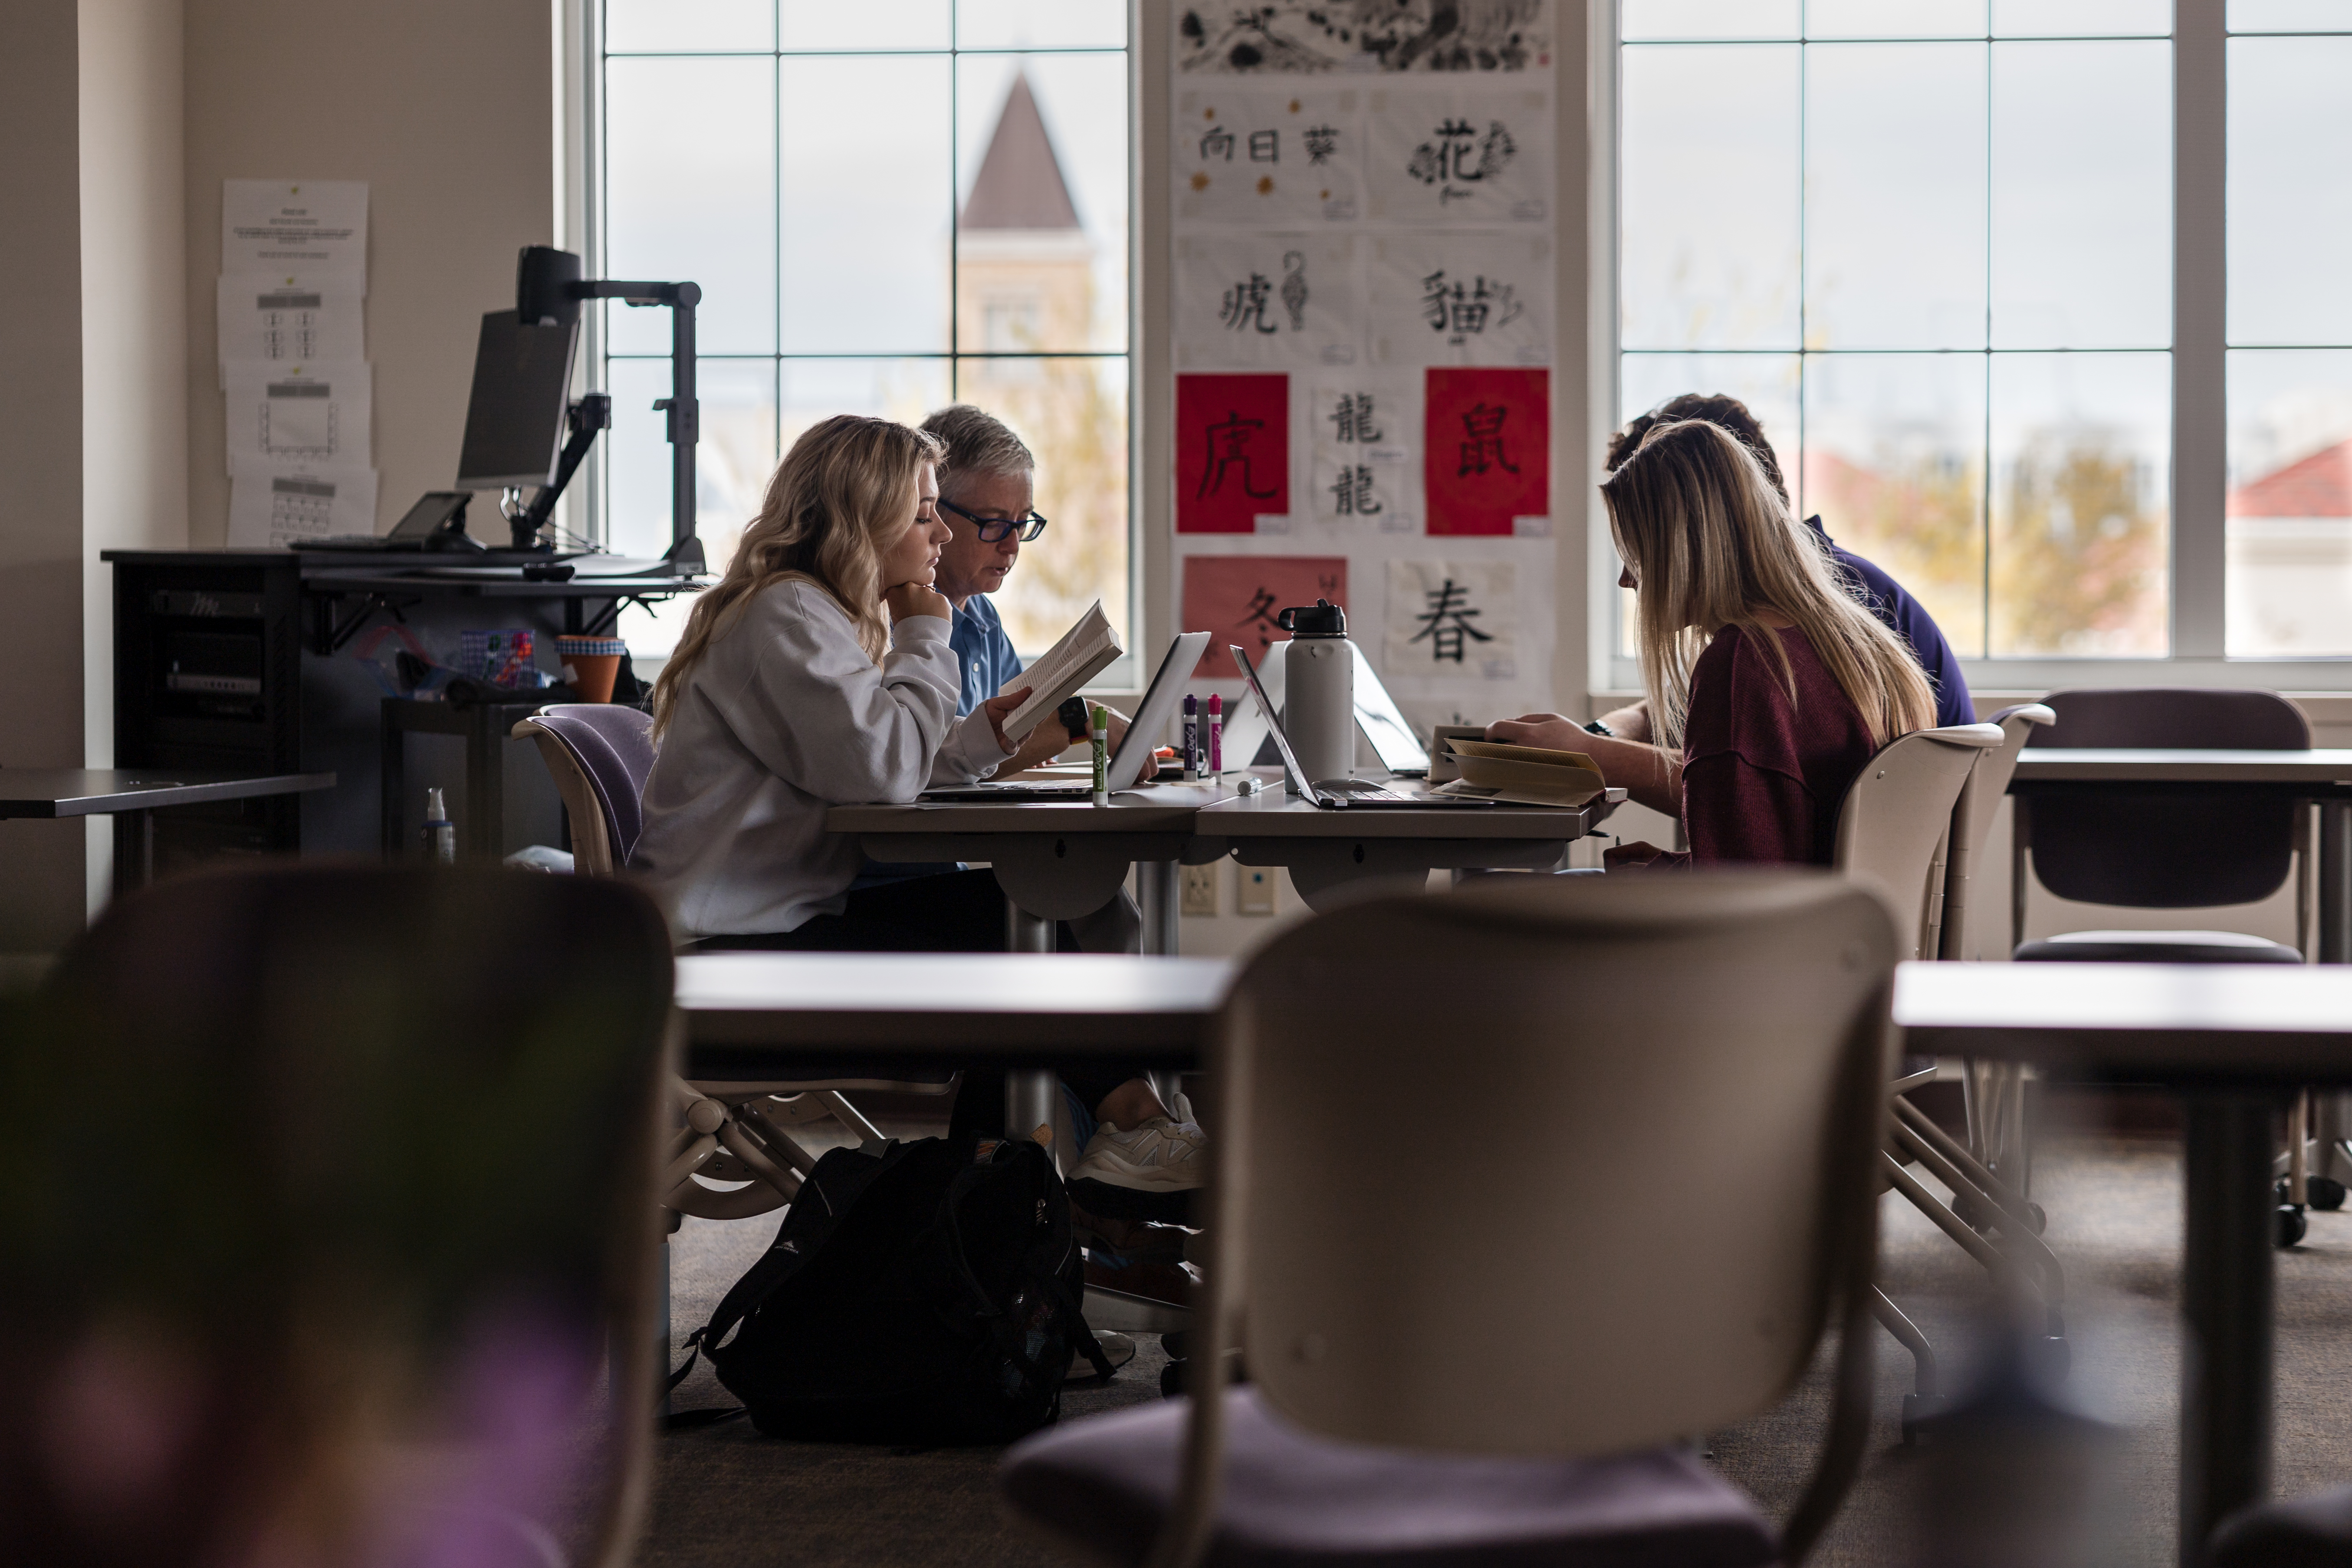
{"x":2094,"y":845}
{"x":1509,"y":1295}
{"x":376,"y":1195}
{"x":1972,"y":819}
{"x":600,"y":755}
{"x":1896,"y":818}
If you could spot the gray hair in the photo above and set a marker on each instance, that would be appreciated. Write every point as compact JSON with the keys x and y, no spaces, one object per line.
{"x":979,"y":444}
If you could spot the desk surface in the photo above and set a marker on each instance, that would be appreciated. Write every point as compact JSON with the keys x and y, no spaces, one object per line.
{"x":1057,"y":818}
{"x":1272,"y":813}
{"x":94,"y":792}
{"x":754,"y":1014}
{"x":2173,"y":1022}
{"x":2059,"y":765}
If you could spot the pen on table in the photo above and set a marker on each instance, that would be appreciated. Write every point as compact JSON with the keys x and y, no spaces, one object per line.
{"x":1099,"y":737}
{"x":1191,"y":737}
{"x":1217,"y":736}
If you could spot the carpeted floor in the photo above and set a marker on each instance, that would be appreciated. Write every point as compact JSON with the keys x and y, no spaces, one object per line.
{"x":727,"y":1496}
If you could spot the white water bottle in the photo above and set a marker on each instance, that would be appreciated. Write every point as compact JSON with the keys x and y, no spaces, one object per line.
{"x":1318,"y":699}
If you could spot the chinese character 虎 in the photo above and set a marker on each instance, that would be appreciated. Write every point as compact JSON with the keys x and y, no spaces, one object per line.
{"x":1228,"y":446}
{"x":1245,"y":305}
{"x":1447,"y":623}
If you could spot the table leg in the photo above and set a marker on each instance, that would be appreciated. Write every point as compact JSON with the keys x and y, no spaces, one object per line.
{"x":485,"y":778}
{"x":2336,"y":881}
{"x":393,"y":766}
{"x":134,"y":850}
{"x":1156,"y":891}
{"x":2226,"y":1287}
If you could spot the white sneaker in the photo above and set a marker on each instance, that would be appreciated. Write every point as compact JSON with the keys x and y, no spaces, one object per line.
{"x":1159,"y":1155}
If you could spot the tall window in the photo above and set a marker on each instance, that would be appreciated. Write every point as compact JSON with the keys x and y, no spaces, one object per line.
{"x":888,"y":207}
{"x":1930,"y":243}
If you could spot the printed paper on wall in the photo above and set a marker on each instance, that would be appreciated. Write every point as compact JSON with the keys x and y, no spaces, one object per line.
{"x":1270,"y":159}
{"x":1453,"y":618}
{"x":1487,"y":452}
{"x":1364,"y":446}
{"x":1461,"y":158}
{"x":291,"y":317}
{"x":1267,"y":299}
{"x":1233,"y":451}
{"x":313,"y":415}
{"x":270,"y":511}
{"x":294,"y":225}
{"x":1305,"y":37}
{"x":1460,"y":298}
{"x":1235,"y":598}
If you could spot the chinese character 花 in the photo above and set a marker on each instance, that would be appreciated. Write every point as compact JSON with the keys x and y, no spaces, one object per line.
{"x":1456,"y":158}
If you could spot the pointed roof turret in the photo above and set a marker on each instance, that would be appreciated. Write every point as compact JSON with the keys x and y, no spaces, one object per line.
{"x":1020,"y":182}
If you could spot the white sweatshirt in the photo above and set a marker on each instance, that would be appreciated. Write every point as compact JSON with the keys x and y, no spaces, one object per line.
{"x":784,"y":716}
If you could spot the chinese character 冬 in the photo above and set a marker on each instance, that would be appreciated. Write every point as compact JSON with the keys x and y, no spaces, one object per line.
{"x":1265,"y":147}
{"x":1217,"y":144}
{"x":1447,"y":623}
{"x":1353,"y":416}
{"x":1322,"y":141}
{"x":1351,"y":493}
{"x":1484,"y":449}
{"x":1245,"y":305}
{"x":1259,"y":618}
{"x":1228,"y":446}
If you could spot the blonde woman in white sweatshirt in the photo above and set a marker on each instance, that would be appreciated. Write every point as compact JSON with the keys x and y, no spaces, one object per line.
{"x":817,"y":672}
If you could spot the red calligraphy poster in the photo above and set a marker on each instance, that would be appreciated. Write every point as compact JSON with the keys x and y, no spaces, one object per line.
{"x":1233,"y":451}
{"x":1489,"y":458}
{"x":1235,"y":598}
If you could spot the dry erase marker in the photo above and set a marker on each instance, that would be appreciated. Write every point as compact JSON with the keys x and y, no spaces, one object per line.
{"x":1191,"y":736}
{"x":1098,"y":732}
{"x":1217,"y":736}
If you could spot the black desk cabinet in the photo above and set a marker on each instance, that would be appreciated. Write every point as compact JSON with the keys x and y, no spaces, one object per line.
{"x":242,"y":659}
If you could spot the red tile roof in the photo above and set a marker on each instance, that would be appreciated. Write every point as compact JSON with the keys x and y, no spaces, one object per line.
{"x":2317,"y":486}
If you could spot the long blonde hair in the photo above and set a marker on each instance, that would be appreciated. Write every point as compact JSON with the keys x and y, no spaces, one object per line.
{"x":1711,"y":544}
{"x":838,"y":504}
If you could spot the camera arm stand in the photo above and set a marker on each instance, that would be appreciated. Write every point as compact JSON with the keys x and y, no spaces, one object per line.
{"x":592,"y":412}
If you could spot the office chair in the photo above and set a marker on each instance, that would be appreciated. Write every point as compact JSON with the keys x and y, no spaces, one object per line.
{"x":1487,"y":1357}
{"x":318,"y":1212}
{"x":599,"y":754}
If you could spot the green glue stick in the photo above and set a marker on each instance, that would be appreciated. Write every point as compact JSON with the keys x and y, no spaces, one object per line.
{"x":1098,"y":734}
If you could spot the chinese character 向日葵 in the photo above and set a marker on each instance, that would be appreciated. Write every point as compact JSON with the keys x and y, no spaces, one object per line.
{"x":1245,"y":305}
{"x":1351,"y":493}
{"x":1217,"y":142}
{"x":1265,"y":146}
{"x":1447,"y":623}
{"x":1322,"y":141}
{"x":1354,"y":419}
{"x":1483,"y":450}
{"x":1228,"y":448}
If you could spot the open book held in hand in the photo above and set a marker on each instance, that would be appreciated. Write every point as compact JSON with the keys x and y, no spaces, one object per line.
{"x":1059,"y":673}
{"x":1526,"y":775}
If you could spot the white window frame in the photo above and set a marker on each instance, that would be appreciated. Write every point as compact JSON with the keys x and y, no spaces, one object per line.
{"x":2199,"y":475}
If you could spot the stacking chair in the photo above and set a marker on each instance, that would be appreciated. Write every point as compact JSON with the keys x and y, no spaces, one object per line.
{"x":599,"y":755}
{"x":1486,"y":1356}
{"x":323,"y":1193}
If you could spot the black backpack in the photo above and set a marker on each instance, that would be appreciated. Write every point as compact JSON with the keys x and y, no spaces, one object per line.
{"x":921,"y":1292}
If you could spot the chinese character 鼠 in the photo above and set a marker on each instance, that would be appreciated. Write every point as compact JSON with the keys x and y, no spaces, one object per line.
{"x":1482,"y":449}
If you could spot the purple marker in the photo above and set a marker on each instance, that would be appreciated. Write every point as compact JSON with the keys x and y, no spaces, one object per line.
{"x":1191,"y":737}
{"x":1217,"y":736}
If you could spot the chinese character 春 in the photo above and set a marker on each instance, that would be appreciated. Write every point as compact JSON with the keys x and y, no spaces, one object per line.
{"x":1447,"y":623}
{"x":1245,"y":305}
{"x":1322,"y":141}
{"x":1351,"y":493}
{"x":1217,"y":144}
{"x":1484,"y":449}
{"x":1228,"y":448}
{"x":1265,"y":147}
{"x":1353,"y":416}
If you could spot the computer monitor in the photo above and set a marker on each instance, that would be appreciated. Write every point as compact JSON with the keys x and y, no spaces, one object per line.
{"x":515,"y":419}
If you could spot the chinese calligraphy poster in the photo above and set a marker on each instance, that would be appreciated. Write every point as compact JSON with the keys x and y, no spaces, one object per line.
{"x":1487,"y":450}
{"x":1460,"y":298}
{"x":1268,"y":159}
{"x":1453,"y":618}
{"x":1235,"y":598}
{"x":1364,"y":452}
{"x":1460,"y":159}
{"x":1233,"y":451}
{"x":1267,"y":299}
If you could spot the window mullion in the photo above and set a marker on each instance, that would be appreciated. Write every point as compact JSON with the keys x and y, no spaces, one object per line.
{"x":2199,"y":299}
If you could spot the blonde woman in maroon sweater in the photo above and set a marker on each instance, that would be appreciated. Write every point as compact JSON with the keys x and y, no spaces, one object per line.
{"x":1768,"y":683}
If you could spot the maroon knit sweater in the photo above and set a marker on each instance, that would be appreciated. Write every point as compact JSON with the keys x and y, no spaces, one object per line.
{"x":1764,"y":773}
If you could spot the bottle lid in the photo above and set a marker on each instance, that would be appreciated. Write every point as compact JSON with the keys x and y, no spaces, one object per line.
{"x":433,"y":810}
{"x":1320,"y":619}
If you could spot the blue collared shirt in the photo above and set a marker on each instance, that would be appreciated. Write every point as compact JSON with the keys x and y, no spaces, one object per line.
{"x":984,"y":654}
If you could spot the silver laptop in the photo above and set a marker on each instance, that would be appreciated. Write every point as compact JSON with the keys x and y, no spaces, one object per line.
{"x":1378,"y":719}
{"x":1335,"y":794}
{"x":1137,"y":749}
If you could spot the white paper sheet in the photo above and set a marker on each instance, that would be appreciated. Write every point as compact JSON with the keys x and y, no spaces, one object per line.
{"x":1460,"y":298}
{"x":1269,"y":159}
{"x":290,"y":317}
{"x":294,"y":225}
{"x":284,"y":415}
{"x":1459,"y":157}
{"x":1271,"y":299}
{"x":266,"y":509}
{"x":1453,"y":618}
{"x":1364,"y":451}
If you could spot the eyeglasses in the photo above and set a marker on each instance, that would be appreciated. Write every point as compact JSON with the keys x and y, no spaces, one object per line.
{"x":995,"y":530}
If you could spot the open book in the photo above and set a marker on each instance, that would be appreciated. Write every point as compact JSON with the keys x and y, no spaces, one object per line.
{"x":1059,"y":673}
{"x":1526,"y":775}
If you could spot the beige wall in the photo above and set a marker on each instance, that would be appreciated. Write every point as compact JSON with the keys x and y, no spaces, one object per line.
{"x":446,"y":108}
{"x":41,"y":897}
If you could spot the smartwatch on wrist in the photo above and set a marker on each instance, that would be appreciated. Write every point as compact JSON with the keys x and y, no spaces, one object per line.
{"x":1597,"y":728}
{"x":1072,"y":715}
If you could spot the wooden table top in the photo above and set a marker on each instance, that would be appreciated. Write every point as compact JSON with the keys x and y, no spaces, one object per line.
{"x":2061,"y":764}
{"x":94,"y":792}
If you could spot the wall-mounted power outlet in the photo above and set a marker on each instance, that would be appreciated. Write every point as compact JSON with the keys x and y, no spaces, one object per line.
{"x":1257,"y":891}
{"x":1198,"y":891}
